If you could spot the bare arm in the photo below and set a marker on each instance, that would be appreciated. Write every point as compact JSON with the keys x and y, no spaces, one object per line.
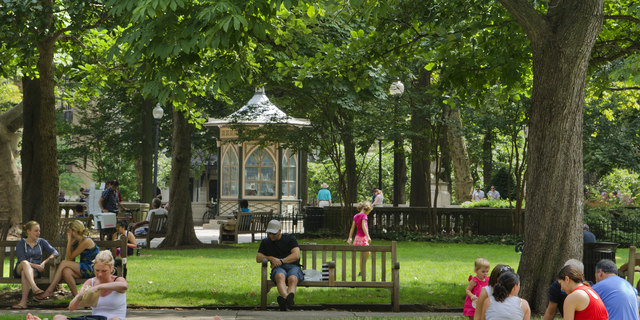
{"x":276,"y":262}
{"x":365,"y":228}
{"x":472,"y":284}
{"x":84,"y":244}
{"x":73,"y":305}
{"x":131,"y":240}
{"x":480,"y":304}
{"x":552,"y":309}
{"x":119,"y":285}
{"x":100,"y":204}
{"x":353,"y":226}
{"x":485,"y":307}
{"x":525,"y":308}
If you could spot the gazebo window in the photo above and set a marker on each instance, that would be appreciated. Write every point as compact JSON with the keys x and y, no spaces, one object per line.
{"x":288,"y":174}
{"x":259,"y":174}
{"x":230,"y":173}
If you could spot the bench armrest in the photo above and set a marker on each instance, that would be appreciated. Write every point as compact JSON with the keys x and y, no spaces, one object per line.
{"x":332,"y":272}
{"x":396,"y":265}
{"x":265,"y":262}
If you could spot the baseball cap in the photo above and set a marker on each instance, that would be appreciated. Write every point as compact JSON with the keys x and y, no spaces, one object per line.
{"x":274,"y":226}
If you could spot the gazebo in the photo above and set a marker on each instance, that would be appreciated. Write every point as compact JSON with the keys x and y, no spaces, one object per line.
{"x":270,"y":177}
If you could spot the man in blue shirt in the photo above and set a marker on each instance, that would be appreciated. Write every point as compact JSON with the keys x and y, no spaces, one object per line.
{"x":618,"y":296}
{"x":324,"y":196}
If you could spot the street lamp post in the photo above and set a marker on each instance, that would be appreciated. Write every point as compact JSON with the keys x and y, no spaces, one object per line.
{"x":380,"y":138}
{"x":118,"y":131}
{"x":157,"y":114}
{"x":396,"y":89}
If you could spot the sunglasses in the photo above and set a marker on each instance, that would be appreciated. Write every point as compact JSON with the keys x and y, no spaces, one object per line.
{"x":271,"y":233}
{"x":506,"y":269}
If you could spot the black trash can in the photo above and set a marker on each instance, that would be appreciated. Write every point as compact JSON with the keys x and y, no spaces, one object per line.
{"x":594,"y":252}
{"x":313,"y":219}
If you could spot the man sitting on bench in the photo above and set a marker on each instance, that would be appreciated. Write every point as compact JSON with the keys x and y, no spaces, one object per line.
{"x":140,"y":229}
{"x":284,"y":254}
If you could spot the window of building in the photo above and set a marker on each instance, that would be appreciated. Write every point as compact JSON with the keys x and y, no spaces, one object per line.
{"x":230,"y":173}
{"x":288,"y":188}
{"x":259,"y":174}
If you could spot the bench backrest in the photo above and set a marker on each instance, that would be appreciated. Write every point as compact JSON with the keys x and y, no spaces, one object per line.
{"x":8,"y":252}
{"x":347,"y":259}
{"x":158,"y":224}
{"x":253,"y":221}
{"x":65,"y":222}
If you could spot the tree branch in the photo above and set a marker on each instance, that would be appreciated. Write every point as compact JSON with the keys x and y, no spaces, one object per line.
{"x":624,"y":88}
{"x":13,"y":119}
{"x":534,"y":25}
{"x":622,"y":17}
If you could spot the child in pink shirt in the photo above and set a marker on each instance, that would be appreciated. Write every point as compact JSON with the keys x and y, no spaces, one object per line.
{"x":362,"y":234}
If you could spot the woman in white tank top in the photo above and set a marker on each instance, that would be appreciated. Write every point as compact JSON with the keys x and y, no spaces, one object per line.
{"x":505,"y":304}
{"x":112,"y":300}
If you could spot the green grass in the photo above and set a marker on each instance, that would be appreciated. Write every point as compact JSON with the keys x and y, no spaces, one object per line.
{"x":432,"y":274}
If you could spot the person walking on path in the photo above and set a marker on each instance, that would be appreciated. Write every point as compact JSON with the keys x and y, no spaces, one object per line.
{"x":324,"y":196}
{"x":362,"y":234}
{"x":618,"y":296}
{"x":30,"y":265}
{"x":282,"y":250}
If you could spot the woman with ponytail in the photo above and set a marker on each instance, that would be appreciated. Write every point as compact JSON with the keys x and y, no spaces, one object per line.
{"x":582,"y":301}
{"x":505,"y":304}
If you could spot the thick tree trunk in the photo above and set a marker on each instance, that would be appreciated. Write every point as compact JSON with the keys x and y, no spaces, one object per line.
{"x":180,"y":222}
{"x":561,"y":42}
{"x":10,"y":195}
{"x":487,"y":159}
{"x":147,"y":141}
{"x":463,"y":180}
{"x":420,"y":195}
{"x":350,"y":163}
{"x":399,"y":173}
{"x":39,"y":147}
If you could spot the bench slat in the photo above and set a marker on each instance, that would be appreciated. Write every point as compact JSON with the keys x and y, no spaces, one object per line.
{"x":353,"y":265}
{"x":344,"y":247}
{"x":373,"y":266}
{"x":384,"y":266}
{"x":344,"y":266}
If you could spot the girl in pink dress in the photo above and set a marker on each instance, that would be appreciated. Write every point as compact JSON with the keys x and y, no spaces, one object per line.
{"x":475,"y":286}
{"x":362,"y":235}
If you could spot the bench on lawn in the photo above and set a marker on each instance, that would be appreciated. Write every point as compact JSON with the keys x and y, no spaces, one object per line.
{"x":246,"y":223}
{"x":8,"y":253}
{"x":65,"y":222}
{"x":157,"y":228}
{"x":343,"y":264}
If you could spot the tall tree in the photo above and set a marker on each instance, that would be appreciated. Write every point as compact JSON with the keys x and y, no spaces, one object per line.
{"x":562,"y":35}
{"x":34,"y":29}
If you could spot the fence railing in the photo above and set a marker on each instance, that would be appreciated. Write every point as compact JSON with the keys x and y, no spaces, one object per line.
{"x":479,"y":221}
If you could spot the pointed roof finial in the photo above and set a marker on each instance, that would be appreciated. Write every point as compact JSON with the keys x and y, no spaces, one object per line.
{"x":260,"y":89}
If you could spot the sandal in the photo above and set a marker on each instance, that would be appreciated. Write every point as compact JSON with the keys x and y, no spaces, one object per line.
{"x":18,"y":306}
{"x":40,"y":297}
{"x":37,"y":292}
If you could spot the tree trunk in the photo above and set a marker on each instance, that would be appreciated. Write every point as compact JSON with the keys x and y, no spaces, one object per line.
{"x":487,"y":158}
{"x":399,"y":173}
{"x":10,"y":195}
{"x":561,"y":42}
{"x":39,"y":147}
{"x":463,"y":180}
{"x":420,"y":195}
{"x":147,"y":141}
{"x":180,"y":224}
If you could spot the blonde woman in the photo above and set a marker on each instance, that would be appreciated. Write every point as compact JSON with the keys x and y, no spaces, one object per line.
{"x":30,"y":251}
{"x":111,"y":302}
{"x":78,"y":244}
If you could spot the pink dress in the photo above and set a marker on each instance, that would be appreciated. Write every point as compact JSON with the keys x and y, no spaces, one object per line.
{"x":361,"y":237}
{"x":469,"y":310}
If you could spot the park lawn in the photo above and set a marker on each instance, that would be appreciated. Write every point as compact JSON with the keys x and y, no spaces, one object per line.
{"x":432,"y":274}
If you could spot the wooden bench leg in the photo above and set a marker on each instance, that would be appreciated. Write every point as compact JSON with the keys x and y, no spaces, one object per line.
{"x":395,"y":295}
{"x":264,"y":287}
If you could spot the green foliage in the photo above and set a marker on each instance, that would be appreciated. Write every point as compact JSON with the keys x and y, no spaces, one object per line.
{"x":10,"y":95}
{"x":621,"y":180}
{"x":71,"y":184}
{"x":504,"y":182}
{"x":486,"y":203}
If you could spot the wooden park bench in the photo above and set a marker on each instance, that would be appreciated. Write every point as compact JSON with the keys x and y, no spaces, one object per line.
{"x":246,"y":223}
{"x":65,"y":222}
{"x":8,"y":254}
{"x":343,"y":263}
{"x":157,"y":228}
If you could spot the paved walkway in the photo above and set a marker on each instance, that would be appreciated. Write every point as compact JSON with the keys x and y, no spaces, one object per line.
{"x":240,"y":314}
{"x":207,"y":236}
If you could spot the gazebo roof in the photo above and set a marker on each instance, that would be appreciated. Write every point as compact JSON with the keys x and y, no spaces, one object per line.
{"x":258,"y":111}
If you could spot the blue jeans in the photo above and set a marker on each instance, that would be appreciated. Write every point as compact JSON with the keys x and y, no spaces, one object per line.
{"x":288,"y":269}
